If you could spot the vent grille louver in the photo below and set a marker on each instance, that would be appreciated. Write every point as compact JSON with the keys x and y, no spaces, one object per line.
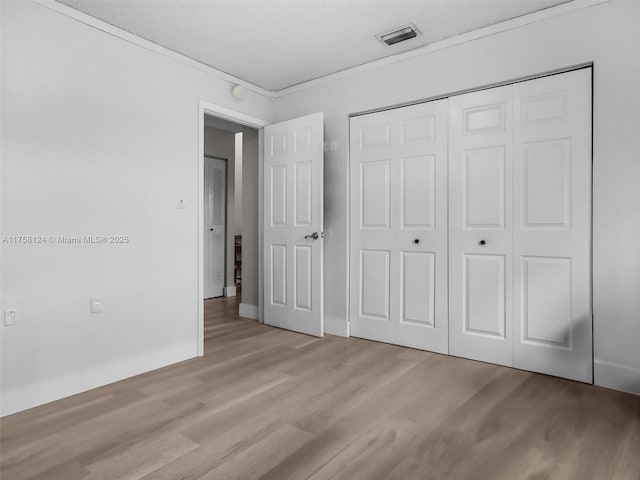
{"x":399,"y":34}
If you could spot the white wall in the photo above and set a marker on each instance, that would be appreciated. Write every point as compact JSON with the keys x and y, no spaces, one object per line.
{"x":607,"y":35}
{"x":238,"y":183}
{"x":221,"y":144}
{"x":98,"y":138}
{"x":250,"y":223}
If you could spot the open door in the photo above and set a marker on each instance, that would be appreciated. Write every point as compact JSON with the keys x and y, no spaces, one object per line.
{"x":293,"y":238}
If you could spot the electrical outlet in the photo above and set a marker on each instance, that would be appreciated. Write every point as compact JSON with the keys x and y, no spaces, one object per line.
{"x":95,"y":305}
{"x":10,"y":317}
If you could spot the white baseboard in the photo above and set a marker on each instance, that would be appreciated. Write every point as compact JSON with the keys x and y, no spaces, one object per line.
{"x":616,"y":375}
{"x":32,"y":395}
{"x":230,"y":291}
{"x":249,"y":311}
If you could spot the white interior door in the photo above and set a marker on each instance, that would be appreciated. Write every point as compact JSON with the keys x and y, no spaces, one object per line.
{"x":398,"y":285}
{"x":215,"y":195}
{"x":293,"y":223}
{"x":552,"y":225}
{"x":480,"y":226}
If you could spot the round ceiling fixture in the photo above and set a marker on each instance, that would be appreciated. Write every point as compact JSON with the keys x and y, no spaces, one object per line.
{"x":237,"y":92}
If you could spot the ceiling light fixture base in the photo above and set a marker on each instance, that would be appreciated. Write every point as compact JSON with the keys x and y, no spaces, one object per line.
{"x":237,"y":92}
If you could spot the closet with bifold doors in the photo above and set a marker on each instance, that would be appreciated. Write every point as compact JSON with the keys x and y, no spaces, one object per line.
{"x":471,"y":225}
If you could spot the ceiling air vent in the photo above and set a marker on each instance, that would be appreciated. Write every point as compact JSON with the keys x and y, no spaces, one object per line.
{"x":399,"y":34}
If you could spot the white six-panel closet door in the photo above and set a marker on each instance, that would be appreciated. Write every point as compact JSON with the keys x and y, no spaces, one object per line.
{"x":519,"y":225}
{"x":552,"y":225}
{"x":480,"y":226}
{"x":399,"y":226}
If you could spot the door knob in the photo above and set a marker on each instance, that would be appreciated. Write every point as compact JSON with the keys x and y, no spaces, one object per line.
{"x":482,"y":242}
{"x":314,"y":235}
{"x":211,"y":229}
{"x":416,"y":241}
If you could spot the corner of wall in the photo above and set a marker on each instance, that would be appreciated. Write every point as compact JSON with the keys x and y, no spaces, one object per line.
{"x":249,"y":311}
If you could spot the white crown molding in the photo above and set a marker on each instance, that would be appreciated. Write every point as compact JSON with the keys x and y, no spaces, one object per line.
{"x":148,"y":45}
{"x":511,"y":24}
{"x":562,"y":9}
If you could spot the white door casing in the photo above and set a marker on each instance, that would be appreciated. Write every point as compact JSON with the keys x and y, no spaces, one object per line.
{"x":215,"y":195}
{"x":293,"y":212}
{"x":398,"y":266}
{"x":552,"y":225}
{"x":480,"y":226}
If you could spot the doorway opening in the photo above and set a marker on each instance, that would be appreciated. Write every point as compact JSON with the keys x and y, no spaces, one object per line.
{"x":222,"y":207}
{"x":229,"y":213}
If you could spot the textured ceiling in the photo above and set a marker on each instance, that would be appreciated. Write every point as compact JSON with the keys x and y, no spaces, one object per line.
{"x":279,"y":43}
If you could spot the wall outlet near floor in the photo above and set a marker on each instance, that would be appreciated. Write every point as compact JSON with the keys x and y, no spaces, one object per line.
{"x":10,"y":317}
{"x":95,"y":305}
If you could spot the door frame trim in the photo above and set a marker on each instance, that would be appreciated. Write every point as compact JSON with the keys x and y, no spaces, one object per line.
{"x":208,"y":108}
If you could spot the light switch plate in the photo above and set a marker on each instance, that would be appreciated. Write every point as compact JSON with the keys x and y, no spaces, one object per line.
{"x":180,"y":202}
{"x":95,"y":305}
{"x":10,"y":317}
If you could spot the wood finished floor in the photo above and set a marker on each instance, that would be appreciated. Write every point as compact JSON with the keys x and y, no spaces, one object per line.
{"x":271,"y":404}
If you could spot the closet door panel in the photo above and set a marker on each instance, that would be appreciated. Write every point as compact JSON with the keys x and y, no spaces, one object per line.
{"x":552,"y":225}
{"x":480,"y":226}
{"x":471,"y":225}
{"x":399,"y":224}
{"x":373,"y":215}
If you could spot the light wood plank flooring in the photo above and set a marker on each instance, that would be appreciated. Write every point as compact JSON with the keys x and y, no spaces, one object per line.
{"x":272,"y":404}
